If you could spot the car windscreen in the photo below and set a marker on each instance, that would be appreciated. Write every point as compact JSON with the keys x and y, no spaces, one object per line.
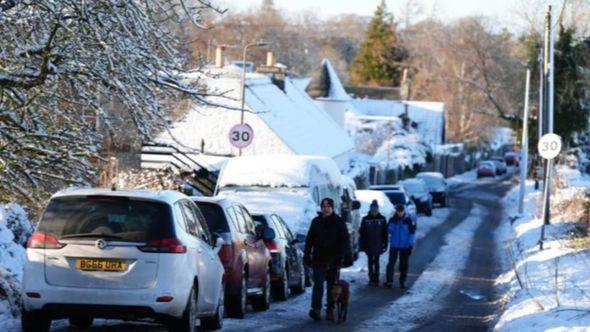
{"x":432,"y":182}
{"x":414,"y":187}
{"x":115,"y":218}
{"x":396,"y":197}
{"x":214,"y":217}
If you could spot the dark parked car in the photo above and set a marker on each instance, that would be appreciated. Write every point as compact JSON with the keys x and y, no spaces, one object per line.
{"x":486,"y":168}
{"x":419,"y":194}
{"x":244,"y":255}
{"x":437,"y":186}
{"x":511,"y":158}
{"x":500,"y":164}
{"x":288,"y":270}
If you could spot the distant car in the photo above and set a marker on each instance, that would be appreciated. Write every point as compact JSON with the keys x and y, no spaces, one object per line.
{"x":511,"y":159}
{"x":500,"y":164}
{"x":437,"y":186}
{"x":486,"y":168}
{"x":367,"y":196}
{"x":244,"y":255}
{"x":419,"y":194}
{"x":401,"y":197}
{"x":288,"y":270}
{"x":383,"y":187}
{"x":125,"y":254}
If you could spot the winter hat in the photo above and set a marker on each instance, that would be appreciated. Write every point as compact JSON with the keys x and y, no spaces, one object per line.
{"x":374,"y":205}
{"x":400,"y":207}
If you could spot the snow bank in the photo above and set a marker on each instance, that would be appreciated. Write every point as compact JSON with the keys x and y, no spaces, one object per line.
{"x":549,"y":289}
{"x":433,"y":284}
{"x":15,"y":228}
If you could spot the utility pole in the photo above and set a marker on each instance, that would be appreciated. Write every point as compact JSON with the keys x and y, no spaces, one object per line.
{"x":525,"y":144}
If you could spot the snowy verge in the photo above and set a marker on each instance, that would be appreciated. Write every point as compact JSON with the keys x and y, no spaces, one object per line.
{"x":549,"y":289}
{"x":409,"y":311}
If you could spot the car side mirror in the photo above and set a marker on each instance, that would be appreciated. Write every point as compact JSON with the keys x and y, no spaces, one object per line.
{"x":300,"y":238}
{"x":268,"y":234}
{"x":356,"y":205}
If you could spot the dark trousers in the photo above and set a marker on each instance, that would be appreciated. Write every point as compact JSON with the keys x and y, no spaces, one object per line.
{"x":373,"y":268}
{"x":404,"y":258}
{"x":322,"y":273}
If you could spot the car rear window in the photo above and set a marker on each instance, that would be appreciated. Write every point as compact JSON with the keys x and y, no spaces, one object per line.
{"x":260,"y":220}
{"x":214,"y":217}
{"x":432,"y":181}
{"x":121,"y":218}
{"x":396,"y":197}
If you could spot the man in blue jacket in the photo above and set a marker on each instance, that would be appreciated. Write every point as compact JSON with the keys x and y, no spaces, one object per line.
{"x":402,"y":232}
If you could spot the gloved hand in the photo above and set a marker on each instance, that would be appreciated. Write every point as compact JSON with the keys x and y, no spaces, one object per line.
{"x":383,"y":249}
{"x":410,"y":250}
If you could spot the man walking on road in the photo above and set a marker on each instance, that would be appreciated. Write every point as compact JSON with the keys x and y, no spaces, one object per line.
{"x":373,"y":240}
{"x":402,"y":230}
{"x":325,"y":246}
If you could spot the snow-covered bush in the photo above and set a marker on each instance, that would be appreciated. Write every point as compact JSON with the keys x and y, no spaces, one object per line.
{"x":14,"y":230}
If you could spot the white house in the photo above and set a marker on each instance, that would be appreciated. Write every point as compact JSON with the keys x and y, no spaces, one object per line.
{"x":284,"y":121}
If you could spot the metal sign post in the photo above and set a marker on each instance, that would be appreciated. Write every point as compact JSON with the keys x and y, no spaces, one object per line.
{"x":524,"y":151}
{"x":549,"y":147}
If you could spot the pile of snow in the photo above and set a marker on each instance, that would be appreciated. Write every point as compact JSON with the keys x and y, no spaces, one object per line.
{"x":15,"y":228}
{"x":402,"y":150}
{"x":550,"y":288}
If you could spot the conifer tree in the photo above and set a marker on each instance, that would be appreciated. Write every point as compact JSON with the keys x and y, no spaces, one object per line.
{"x":380,"y":59}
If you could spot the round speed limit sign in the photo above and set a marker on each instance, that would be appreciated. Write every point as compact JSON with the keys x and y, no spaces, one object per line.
{"x":549,"y":146}
{"x":241,"y":135}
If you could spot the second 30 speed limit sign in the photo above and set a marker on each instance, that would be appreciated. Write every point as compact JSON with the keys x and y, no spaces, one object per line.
{"x":549,"y":146}
{"x":241,"y":135}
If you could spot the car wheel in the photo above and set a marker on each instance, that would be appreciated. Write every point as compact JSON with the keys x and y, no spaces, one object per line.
{"x":429,"y":212}
{"x":300,"y":288}
{"x":236,"y":304}
{"x":188,"y":321}
{"x":280,"y":290}
{"x":35,"y":321}
{"x":262,"y":302}
{"x":81,"y":322}
{"x":444,"y":202}
{"x":216,"y":322}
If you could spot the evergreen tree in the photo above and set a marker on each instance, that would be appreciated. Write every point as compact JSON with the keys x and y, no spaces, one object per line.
{"x":570,"y":109}
{"x":380,"y":59}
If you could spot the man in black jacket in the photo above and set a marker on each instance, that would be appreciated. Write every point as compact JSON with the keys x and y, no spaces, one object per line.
{"x":373,"y":240}
{"x":325,"y":246}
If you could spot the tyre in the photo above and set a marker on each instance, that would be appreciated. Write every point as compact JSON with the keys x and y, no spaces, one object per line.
{"x":280,"y":290}
{"x":216,"y":321}
{"x":81,"y":322}
{"x":444,"y":201}
{"x":236,"y":304}
{"x":262,"y":302}
{"x":429,"y":212}
{"x":188,"y":321}
{"x":35,"y":321}
{"x":301,"y":284}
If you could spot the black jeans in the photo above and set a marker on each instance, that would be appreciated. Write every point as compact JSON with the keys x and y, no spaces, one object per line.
{"x":404,"y":258}
{"x":373,"y":267}
{"x":322,"y":273}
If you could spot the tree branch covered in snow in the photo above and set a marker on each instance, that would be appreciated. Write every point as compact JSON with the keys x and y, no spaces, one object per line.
{"x":65,"y":64}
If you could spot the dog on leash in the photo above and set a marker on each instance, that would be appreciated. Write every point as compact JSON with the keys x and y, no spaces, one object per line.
{"x":340,"y":294}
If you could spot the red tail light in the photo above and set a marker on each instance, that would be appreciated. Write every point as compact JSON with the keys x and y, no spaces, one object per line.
{"x":272,"y":245}
{"x":225,"y":253}
{"x":164,"y":246}
{"x":40,"y":240}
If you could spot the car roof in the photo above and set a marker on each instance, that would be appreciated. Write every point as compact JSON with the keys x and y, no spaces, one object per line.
{"x":165,"y":196}
{"x":386,"y":186}
{"x":413,"y":180}
{"x":219,"y":200}
{"x":430,"y":174}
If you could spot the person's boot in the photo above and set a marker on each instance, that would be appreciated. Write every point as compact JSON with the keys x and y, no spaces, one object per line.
{"x":330,"y":314}
{"x":315,"y":314}
{"x":402,"y":284}
{"x":388,"y":284}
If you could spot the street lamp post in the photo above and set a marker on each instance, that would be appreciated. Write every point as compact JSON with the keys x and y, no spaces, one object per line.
{"x":243,"y":94}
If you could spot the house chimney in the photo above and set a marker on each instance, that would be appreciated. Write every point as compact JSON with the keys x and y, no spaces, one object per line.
{"x":270,"y":61}
{"x":219,"y":56}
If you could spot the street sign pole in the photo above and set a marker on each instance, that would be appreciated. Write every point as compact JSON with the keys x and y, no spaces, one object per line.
{"x":525,"y":144}
{"x":549,"y":147}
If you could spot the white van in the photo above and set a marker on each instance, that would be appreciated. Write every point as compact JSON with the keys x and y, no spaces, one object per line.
{"x":285,"y":185}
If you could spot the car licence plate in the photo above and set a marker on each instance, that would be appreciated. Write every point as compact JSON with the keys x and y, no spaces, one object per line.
{"x":97,"y":264}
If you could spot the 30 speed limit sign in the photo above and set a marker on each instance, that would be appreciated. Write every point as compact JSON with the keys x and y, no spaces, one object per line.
{"x":241,"y":135}
{"x":549,"y":146}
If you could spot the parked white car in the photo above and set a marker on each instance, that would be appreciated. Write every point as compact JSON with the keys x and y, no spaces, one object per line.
{"x":367,"y":196}
{"x":126,"y":255}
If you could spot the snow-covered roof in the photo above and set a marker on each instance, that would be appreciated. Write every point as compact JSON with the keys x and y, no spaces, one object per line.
{"x":277,"y":171}
{"x":428,"y":115}
{"x":290,"y":115}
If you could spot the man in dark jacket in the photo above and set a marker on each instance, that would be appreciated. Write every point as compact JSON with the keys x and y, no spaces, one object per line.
{"x":402,"y":230}
{"x":325,"y":246}
{"x":373,"y":240}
